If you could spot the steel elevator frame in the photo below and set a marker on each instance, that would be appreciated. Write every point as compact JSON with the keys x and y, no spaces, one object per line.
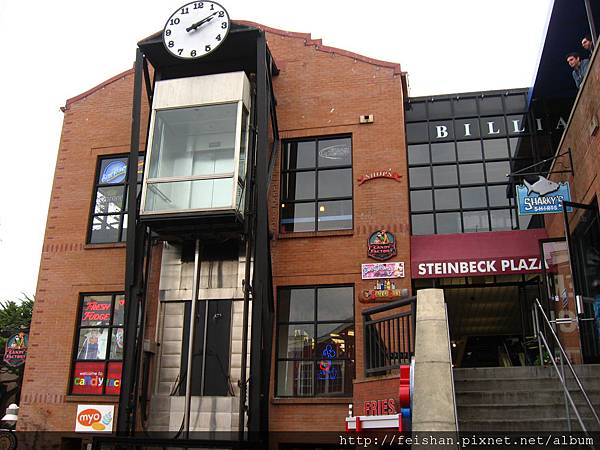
{"x":253,"y":230}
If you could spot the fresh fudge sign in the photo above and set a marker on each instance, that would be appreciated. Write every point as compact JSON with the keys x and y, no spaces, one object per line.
{"x":542,"y":197}
{"x":492,"y":266}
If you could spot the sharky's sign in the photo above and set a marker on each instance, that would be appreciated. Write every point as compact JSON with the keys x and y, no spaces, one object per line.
{"x":16,"y":349}
{"x":542,"y":197}
{"x":382,"y":245}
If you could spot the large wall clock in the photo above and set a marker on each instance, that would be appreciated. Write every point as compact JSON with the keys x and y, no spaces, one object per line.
{"x":196,"y":29}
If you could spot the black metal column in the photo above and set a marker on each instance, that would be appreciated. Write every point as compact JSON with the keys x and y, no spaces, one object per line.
{"x":258,"y":393}
{"x":133,"y":267}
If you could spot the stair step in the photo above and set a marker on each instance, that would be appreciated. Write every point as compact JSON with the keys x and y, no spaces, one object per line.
{"x":516,"y":425}
{"x":519,"y":412}
{"x":536,"y":397}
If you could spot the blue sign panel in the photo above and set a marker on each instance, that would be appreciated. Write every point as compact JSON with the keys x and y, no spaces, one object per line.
{"x":114,"y":172}
{"x":542,"y":197}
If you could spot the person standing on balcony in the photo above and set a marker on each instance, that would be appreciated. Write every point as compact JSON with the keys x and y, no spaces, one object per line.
{"x":579,"y":67}
{"x":588,"y":45}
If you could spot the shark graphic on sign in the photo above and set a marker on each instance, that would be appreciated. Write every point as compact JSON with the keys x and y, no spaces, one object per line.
{"x":542,"y":186}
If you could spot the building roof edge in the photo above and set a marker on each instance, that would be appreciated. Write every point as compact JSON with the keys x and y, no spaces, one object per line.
{"x":89,"y":92}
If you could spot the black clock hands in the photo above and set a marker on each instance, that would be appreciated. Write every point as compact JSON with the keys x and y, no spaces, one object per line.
{"x":200,"y":22}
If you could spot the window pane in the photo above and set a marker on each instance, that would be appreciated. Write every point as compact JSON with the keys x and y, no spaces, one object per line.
{"x":299,"y":155}
{"x":193,"y":141}
{"x":422,"y":224}
{"x":419,"y":176}
{"x":105,"y":229}
{"x":88,"y":378}
{"x":335,"y":152}
{"x":416,"y":132}
{"x":335,"y":340}
{"x":184,"y":195}
{"x":335,"y":183}
{"x":469,"y":150}
{"x":335,"y":303}
{"x":464,"y":107}
{"x":444,"y":175}
{"x":476,"y":221}
{"x":334,"y":377}
{"x":418,"y":154}
{"x":335,"y":215}
{"x":415,"y":111}
{"x":495,"y":149}
{"x":471,"y":173}
{"x":473,"y":197}
{"x":502,"y":220}
{"x":296,"y":305}
{"x":517,"y":124}
{"x":497,"y":171}
{"x":296,"y":341}
{"x":443,"y":152}
{"x":467,"y":129}
{"x":439,"y":109}
{"x":119,"y":312}
{"x":441,"y":131}
{"x":490,"y":105}
{"x":92,"y":343}
{"x":140,"y":169}
{"x":298,"y":186}
{"x":448,"y":223}
{"x":295,"y":378}
{"x":109,"y":199}
{"x":298,"y":217}
{"x":113,"y":378}
{"x":421,"y":201}
{"x":492,"y":126}
{"x":218,"y":348}
{"x":498,"y":195}
{"x":515,"y":103}
{"x":446,"y":199}
{"x":116,"y":344}
{"x":113,"y":171}
{"x":96,"y":310}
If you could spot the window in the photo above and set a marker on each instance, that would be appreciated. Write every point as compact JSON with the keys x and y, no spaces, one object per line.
{"x":99,"y":345}
{"x":316,"y":185}
{"x":315,"y":341}
{"x":109,"y":206}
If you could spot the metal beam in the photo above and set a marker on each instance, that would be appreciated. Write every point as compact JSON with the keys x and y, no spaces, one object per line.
{"x":127,"y":397}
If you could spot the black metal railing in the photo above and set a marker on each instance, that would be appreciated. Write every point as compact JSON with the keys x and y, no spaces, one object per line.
{"x":389,"y":336}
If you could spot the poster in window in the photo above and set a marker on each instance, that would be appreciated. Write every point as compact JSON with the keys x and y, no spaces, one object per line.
{"x":116,"y":344}
{"x":96,"y":310}
{"x":88,"y":378}
{"x":92,"y":343}
{"x":119,"y":312}
{"x":113,"y":378}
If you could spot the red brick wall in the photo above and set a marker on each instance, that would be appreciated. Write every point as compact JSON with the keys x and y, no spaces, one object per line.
{"x":585,"y":184}
{"x":320,"y":92}
{"x":96,"y":124}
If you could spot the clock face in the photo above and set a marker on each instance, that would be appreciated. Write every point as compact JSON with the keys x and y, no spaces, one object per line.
{"x":196,"y":29}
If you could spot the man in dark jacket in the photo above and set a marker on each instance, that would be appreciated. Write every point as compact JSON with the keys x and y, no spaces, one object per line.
{"x":579,"y":67}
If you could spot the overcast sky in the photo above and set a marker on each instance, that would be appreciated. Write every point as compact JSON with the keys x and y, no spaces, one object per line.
{"x":55,"y":50}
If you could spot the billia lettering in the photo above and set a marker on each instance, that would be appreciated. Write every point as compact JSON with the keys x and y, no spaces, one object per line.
{"x":442,"y":131}
{"x":516,"y":126}
{"x":561,"y":124}
{"x":491,"y":128}
{"x":467,"y":129}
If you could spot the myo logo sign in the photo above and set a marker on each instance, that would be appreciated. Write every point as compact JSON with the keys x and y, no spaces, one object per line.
{"x":94,"y":418}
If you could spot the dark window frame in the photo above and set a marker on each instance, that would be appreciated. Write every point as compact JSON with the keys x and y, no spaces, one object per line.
{"x":504,"y":113}
{"x":122,"y":231}
{"x":315,"y":322}
{"x":316,"y":170}
{"x":106,"y":361}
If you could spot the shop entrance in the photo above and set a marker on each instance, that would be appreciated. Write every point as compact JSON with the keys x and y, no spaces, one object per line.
{"x":489,"y":319}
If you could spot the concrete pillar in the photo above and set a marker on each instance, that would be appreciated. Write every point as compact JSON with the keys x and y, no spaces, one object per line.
{"x":433,"y":395}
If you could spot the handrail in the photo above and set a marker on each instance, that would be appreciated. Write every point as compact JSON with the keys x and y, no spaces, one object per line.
{"x":389,"y":306}
{"x":564,"y":356}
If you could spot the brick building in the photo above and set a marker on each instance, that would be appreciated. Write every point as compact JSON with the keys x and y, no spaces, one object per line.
{"x":290,"y":197}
